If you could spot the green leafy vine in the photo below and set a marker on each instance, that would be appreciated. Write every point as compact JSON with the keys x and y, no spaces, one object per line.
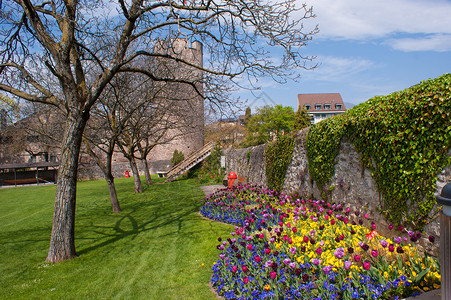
{"x":278,"y":156}
{"x":403,"y":138}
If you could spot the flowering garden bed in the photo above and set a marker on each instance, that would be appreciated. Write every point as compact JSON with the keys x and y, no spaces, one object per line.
{"x":290,"y":248}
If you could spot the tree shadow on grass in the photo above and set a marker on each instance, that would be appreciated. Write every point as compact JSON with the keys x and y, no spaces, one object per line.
{"x":137,"y":228}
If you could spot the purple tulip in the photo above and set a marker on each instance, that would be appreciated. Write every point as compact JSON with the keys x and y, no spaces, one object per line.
{"x":316,"y":261}
{"x":327,"y":269}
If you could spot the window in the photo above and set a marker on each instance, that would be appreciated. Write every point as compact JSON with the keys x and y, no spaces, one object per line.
{"x":338,"y":106}
{"x":326,"y":106}
{"x":317,"y":106}
{"x":307,"y":107}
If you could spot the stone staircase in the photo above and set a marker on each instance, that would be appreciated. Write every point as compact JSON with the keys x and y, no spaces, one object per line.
{"x":189,"y":162}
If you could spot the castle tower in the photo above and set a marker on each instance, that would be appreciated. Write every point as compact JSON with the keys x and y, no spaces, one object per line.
{"x":185,"y":105}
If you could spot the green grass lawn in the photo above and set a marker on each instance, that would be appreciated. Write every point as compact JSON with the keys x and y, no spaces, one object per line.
{"x":157,"y":248}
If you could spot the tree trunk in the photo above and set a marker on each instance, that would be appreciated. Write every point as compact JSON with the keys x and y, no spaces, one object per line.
{"x":111,"y":187}
{"x":134,"y":167}
{"x":107,"y":173}
{"x":62,"y":241}
{"x":147,"y":172}
{"x":113,"y":196}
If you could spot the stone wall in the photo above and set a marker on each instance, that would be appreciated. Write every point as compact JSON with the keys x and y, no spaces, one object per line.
{"x":250,"y":166}
{"x":352,"y":183}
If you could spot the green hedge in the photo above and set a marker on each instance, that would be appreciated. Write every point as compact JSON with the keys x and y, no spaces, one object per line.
{"x":403,"y":138}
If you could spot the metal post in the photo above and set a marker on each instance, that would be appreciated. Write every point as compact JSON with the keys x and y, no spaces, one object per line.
{"x":445,"y":241}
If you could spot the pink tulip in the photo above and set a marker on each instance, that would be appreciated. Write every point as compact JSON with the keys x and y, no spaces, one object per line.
{"x":366,"y":265}
{"x":273,"y":275}
{"x":374,"y":253}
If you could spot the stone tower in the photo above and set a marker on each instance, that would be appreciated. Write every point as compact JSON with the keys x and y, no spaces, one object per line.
{"x":185,"y":104}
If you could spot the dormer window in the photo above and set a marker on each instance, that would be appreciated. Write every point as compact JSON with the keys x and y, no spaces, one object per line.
{"x":338,"y":106}
{"x":317,"y":106}
{"x":326,"y":106}
{"x":307,"y":107}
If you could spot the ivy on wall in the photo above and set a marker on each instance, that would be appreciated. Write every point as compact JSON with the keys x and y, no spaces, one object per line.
{"x":403,"y":138}
{"x":278,"y":156}
{"x":322,"y":144}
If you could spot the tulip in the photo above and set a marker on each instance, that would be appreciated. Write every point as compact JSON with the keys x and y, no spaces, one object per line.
{"x":374,"y":253}
{"x":316,"y":261}
{"x":257,"y":259}
{"x":244,"y":268}
{"x":357,"y":258}
{"x":339,"y":253}
{"x":234,"y":269}
{"x":348,"y":265}
{"x":327,"y":269}
{"x":245,"y":280}
{"x":319,"y":250}
{"x":273,"y":275}
{"x":366,"y":265}
{"x":391,"y":247}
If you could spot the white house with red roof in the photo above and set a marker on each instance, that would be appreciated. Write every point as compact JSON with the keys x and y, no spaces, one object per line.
{"x":322,"y":106}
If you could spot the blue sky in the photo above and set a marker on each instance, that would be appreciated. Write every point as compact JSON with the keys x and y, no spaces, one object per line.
{"x":368,"y":48}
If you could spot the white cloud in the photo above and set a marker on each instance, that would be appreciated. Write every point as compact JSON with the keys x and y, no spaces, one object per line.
{"x":357,"y":19}
{"x":338,"y":68}
{"x":439,"y":43}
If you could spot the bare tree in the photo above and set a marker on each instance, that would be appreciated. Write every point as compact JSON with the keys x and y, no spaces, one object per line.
{"x":50,"y":53}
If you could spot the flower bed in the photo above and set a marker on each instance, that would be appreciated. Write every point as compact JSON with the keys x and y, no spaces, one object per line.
{"x":303,"y":249}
